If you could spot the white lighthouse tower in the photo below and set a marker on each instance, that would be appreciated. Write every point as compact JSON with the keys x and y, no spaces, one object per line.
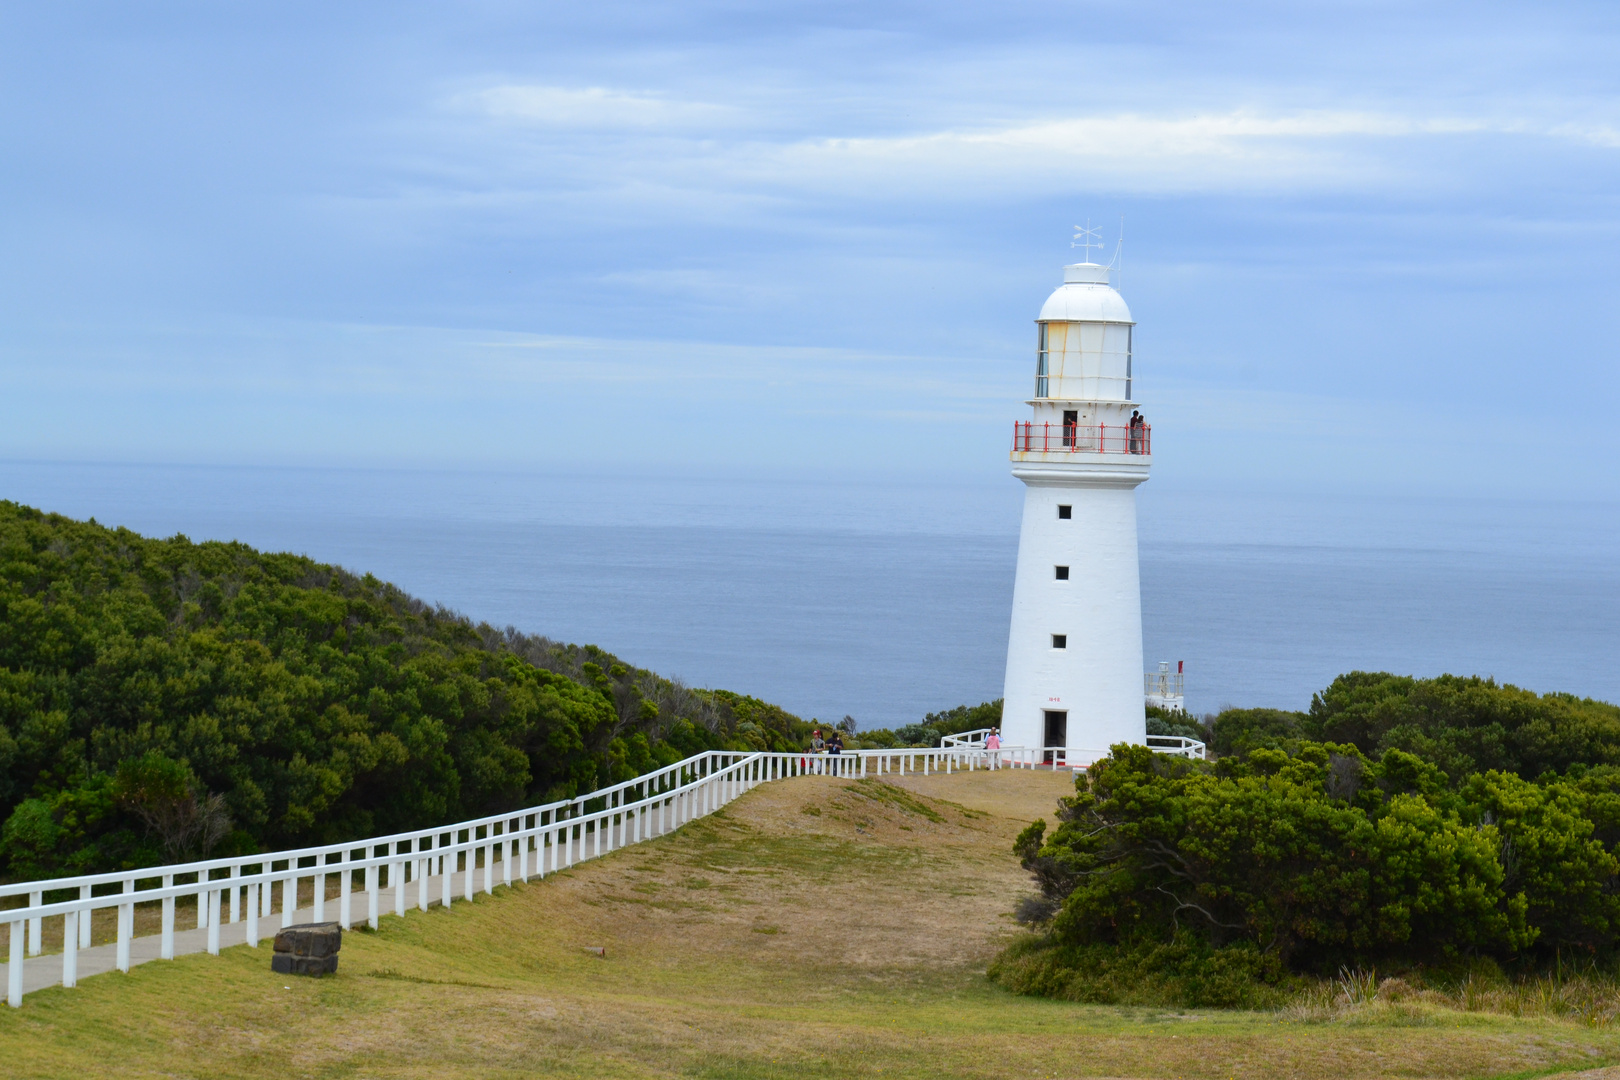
{"x":1074,"y":658}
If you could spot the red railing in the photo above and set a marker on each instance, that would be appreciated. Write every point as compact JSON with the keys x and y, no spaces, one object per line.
{"x":1049,"y":438}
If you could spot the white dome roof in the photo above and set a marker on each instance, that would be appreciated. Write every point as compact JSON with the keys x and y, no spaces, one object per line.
{"x":1085,"y":296}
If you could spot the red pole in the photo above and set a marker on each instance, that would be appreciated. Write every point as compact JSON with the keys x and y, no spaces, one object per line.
{"x":1102,"y":438}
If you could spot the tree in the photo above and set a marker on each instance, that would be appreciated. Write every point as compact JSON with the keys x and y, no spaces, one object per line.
{"x":165,"y":795}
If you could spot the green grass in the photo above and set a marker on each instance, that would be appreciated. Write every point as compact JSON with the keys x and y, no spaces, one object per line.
{"x":763,"y":942}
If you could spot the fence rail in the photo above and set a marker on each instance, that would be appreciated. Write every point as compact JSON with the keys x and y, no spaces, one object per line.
{"x":1177,"y":745}
{"x":1049,"y":438}
{"x":521,"y":844}
{"x":973,"y":738}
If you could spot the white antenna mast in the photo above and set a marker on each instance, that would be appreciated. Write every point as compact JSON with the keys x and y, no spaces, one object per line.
{"x":1083,"y":237}
{"x":1119,"y":256}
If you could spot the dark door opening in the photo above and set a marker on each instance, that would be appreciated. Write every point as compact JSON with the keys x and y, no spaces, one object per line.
{"x":1057,"y":732}
{"x":1071,"y":418}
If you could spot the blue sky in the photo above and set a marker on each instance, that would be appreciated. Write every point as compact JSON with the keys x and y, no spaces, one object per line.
{"x":1370,"y":246}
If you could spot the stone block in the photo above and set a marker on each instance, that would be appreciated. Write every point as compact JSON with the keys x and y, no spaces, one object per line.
{"x":307,"y":949}
{"x":287,"y":964}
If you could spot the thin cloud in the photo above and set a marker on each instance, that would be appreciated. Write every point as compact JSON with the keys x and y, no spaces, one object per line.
{"x":690,"y":146}
{"x":1237,"y":150}
{"x":589,"y":107}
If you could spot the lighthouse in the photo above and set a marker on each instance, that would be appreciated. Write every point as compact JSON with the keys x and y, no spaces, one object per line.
{"x":1074,"y":657}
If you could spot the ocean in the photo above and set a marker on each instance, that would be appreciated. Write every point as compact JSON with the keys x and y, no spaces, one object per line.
{"x":888,"y":599}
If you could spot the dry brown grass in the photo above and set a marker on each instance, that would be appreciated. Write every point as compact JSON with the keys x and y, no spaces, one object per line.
{"x":814,"y":928}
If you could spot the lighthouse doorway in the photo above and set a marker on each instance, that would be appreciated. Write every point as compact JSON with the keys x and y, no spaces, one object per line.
{"x":1057,"y":733}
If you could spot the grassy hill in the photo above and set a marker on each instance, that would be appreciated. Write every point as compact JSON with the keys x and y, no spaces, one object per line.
{"x":814,"y":928}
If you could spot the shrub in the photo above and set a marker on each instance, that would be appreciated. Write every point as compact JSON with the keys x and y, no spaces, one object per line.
{"x":1185,"y":972}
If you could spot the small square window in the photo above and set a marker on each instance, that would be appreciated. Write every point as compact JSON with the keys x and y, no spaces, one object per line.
{"x":1060,"y":641}
{"x":1065,"y":512}
{"x":1062,"y":573}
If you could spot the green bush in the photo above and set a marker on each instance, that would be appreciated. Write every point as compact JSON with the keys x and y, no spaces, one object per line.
{"x":1321,"y":858}
{"x":1238,"y":731}
{"x":1463,"y":725}
{"x":1185,"y":972}
{"x":1439,"y":822}
{"x":1165,"y":722}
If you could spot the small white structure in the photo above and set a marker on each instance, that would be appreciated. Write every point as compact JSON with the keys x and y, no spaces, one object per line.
{"x":1074,"y":657}
{"x":1163,"y":688}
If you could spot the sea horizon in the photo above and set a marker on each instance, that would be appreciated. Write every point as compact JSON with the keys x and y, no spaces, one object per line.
{"x":887,"y":598}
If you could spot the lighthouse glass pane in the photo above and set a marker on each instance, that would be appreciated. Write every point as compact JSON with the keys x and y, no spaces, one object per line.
{"x":1041,"y":355}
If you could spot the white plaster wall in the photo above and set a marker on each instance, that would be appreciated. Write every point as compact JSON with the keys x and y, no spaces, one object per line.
{"x":1050,"y":411}
{"x":1097,"y":679}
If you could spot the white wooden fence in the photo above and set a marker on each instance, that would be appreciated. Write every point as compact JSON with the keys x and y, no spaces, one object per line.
{"x":514,"y":847}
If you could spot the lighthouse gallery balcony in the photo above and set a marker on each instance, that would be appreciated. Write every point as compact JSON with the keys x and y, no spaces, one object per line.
{"x":1048,"y":438}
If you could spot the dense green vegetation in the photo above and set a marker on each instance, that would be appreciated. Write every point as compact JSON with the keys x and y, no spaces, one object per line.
{"x":164,"y":699}
{"x":1399,"y":822}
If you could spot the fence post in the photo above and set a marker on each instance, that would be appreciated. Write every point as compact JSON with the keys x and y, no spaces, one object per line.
{"x":126,"y":928}
{"x":345,"y":891}
{"x":36,"y":925}
{"x":70,"y":949}
{"x":289,"y":893}
{"x":447,"y":869}
{"x":421,"y":869}
{"x":14,"y":966}
{"x":252,"y":897}
{"x":85,"y":892}
{"x":166,"y":947}
{"x":213,"y":922}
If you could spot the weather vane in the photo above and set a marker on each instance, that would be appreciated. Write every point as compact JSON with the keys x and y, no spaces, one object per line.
{"x":1083,"y":237}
